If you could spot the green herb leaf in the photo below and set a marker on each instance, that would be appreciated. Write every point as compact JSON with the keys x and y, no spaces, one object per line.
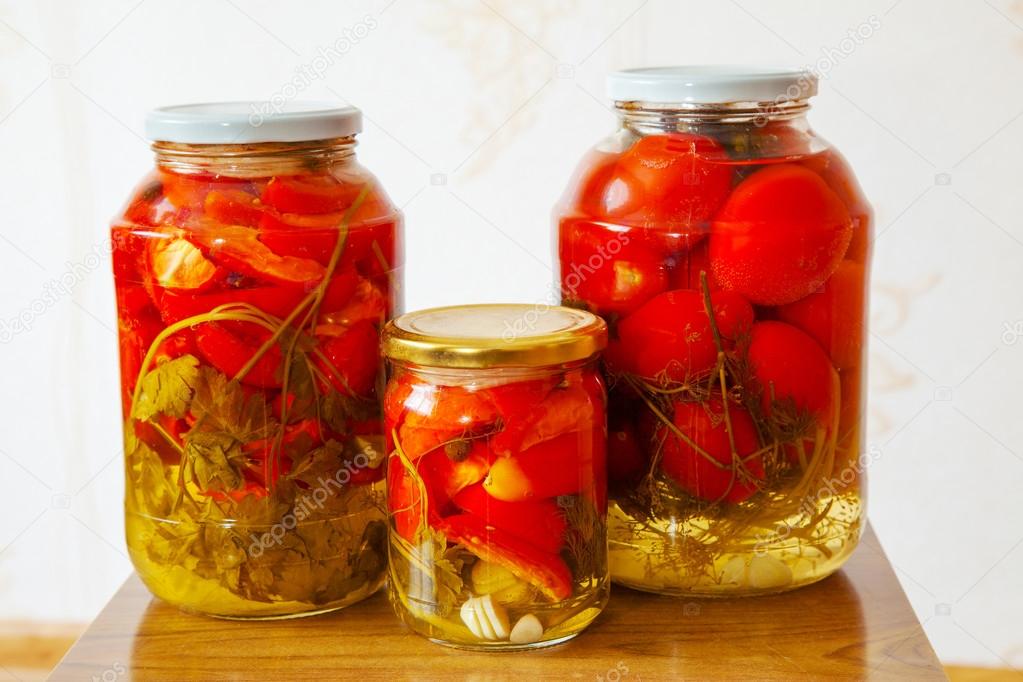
{"x":215,"y":460}
{"x":167,"y":389}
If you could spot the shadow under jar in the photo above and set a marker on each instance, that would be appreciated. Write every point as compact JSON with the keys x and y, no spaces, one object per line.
{"x":728,"y":248}
{"x":254,"y":268}
{"x":496,"y":474}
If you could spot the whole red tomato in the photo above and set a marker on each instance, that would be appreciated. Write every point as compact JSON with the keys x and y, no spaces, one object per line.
{"x":680,"y":175}
{"x":711,"y":471}
{"x":834,"y":316}
{"x":790,"y":367}
{"x":781,"y":233}
{"x":597,"y":190}
{"x":626,"y":460}
{"x":609,"y":270}
{"x":670,"y":336}
{"x":835,"y":171}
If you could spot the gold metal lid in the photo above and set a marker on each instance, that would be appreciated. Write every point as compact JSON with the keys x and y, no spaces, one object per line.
{"x":494,"y":335}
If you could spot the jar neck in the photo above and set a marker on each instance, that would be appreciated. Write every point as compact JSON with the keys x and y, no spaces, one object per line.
{"x":254,"y":160}
{"x":658,"y":117}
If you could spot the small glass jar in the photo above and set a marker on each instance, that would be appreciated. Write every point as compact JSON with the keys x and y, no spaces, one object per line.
{"x":496,"y":476}
{"x":728,"y":247}
{"x":254,"y":268}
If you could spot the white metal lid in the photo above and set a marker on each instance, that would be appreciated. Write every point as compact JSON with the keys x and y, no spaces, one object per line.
{"x":250,"y":122}
{"x":711,"y":84}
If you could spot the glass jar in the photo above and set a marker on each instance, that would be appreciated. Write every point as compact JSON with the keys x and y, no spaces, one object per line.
{"x":496,"y":476}
{"x":728,"y":248}
{"x":254,"y":268}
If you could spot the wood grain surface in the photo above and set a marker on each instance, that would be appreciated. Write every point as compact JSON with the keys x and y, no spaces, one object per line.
{"x":857,"y":624}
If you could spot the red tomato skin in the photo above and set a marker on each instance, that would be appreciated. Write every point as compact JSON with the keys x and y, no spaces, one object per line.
{"x":175,"y":306}
{"x":609,"y":270}
{"x":229,"y":352}
{"x":240,"y":249}
{"x":599,"y":190}
{"x":788,"y":364}
{"x":835,"y":171}
{"x":670,"y":337}
{"x":309,"y":194}
{"x":835,"y":315}
{"x":564,"y":411}
{"x":573,"y":463}
{"x":355,"y":355}
{"x":545,"y":570}
{"x":404,"y":503}
{"x":233,"y":207}
{"x":626,"y":460}
{"x":540,"y":523}
{"x":705,"y":425}
{"x":680,"y":177}
{"x":780,"y":234}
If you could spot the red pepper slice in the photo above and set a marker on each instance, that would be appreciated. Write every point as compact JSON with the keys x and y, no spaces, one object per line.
{"x":540,"y":523}
{"x":403,"y":500}
{"x":229,"y":352}
{"x":277,"y":301}
{"x":514,"y":401}
{"x":354,"y":359}
{"x":563,"y":411}
{"x":340,"y":290}
{"x":240,"y":249}
{"x":545,"y":570}
{"x":310,"y":194}
{"x":367,"y":303}
{"x":443,"y":478}
{"x":560,"y":466}
{"x":127,"y":250}
{"x":234,"y":207}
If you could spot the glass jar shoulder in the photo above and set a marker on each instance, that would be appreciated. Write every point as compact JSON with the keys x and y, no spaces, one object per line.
{"x":678,"y":177}
{"x":320,"y":197}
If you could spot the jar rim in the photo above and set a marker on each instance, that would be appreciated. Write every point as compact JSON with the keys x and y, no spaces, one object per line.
{"x":494,"y":335}
{"x":711,"y":84}
{"x":249,"y":122}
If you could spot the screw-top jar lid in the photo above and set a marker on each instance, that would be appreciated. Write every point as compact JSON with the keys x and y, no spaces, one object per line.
{"x":494,"y":335}
{"x":711,"y":84}
{"x":252,"y":122}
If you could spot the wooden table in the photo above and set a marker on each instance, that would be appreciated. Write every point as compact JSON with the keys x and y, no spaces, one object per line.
{"x":857,"y":624}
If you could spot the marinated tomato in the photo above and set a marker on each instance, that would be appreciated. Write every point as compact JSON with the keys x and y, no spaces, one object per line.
{"x":730,"y":262}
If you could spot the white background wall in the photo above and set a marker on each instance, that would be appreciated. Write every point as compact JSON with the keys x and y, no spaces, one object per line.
{"x":477,"y":112}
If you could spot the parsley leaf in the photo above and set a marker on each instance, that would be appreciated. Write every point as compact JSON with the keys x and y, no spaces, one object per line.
{"x":167,"y":389}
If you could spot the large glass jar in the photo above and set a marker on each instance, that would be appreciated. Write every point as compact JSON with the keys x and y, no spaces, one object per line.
{"x":254,"y":268}
{"x":496,"y":475}
{"x":728,"y":248}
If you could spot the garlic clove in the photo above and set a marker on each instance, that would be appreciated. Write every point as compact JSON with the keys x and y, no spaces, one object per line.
{"x":485,"y":618}
{"x":471,"y":619}
{"x":527,"y":630}
{"x":496,"y":617}
{"x":766,"y":572}
{"x":761,"y":572}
